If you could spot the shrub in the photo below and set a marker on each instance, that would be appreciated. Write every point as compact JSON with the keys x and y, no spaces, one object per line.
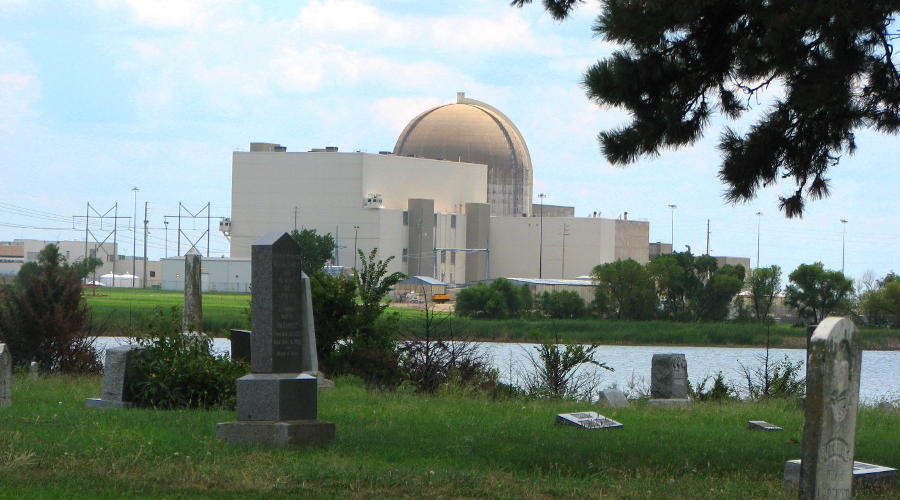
{"x":779,"y":379}
{"x":556,"y":372}
{"x":718,"y":391}
{"x":499,"y":300}
{"x":562,"y":304}
{"x":179,"y":371}
{"x":44,"y":318}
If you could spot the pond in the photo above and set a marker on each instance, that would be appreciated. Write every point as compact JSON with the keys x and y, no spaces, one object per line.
{"x":879,"y":381}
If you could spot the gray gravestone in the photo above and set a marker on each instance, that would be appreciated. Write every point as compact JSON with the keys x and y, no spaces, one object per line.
{"x":612,"y":397}
{"x":865,"y":476}
{"x":832,"y":397}
{"x":192,"y":315}
{"x":762,"y":425}
{"x":668,"y":380}
{"x":240,"y":345}
{"x":34,"y":369}
{"x":119,"y":373}
{"x":5,"y":377}
{"x":587,"y":420}
{"x":276,"y":403}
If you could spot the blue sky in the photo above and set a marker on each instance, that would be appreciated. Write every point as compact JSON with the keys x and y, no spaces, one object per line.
{"x":99,"y":96}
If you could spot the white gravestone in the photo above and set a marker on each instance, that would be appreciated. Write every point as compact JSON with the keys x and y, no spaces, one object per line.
{"x":832,"y":397}
{"x":587,"y":420}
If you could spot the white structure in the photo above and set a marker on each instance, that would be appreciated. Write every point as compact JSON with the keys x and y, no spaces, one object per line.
{"x":458,"y":222}
{"x":217,"y":274}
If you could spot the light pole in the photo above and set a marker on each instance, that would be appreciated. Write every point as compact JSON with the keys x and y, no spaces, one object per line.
{"x":166,"y":223}
{"x":843,"y":243}
{"x":134,"y":239}
{"x":672,"y":225}
{"x":355,"y":237}
{"x":541,"y":245}
{"x":758,"y":225}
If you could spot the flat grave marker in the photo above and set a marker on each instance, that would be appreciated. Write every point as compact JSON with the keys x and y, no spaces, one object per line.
{"x":587,"y":420}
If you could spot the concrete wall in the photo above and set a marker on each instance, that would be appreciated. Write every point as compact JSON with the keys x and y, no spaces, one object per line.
{"x":216,"y":274}
{"x":552,"y":210}
{"x":421,"y":237}
{"x":631,"y":240}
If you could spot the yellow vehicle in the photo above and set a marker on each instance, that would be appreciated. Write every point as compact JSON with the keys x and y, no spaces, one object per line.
{"x":440,"y":298}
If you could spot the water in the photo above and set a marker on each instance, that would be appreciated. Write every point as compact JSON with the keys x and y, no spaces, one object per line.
{"x":879,"y":380}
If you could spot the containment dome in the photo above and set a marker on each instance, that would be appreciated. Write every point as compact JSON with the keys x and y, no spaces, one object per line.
{"x":475,"y":132}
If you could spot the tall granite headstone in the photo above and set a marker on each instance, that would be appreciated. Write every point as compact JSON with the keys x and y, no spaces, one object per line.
{"x":192,"y":316}
{"x":5,"y":377}
{"x":276,"y":403}
{"x":832,"y":397}
{"x":668,"y":380}
{"x":119,"y":373}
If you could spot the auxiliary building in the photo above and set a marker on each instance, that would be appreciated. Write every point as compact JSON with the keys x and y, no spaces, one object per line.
{"x":452,"y":201}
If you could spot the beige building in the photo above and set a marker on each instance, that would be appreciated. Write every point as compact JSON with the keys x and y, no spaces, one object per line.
{"x":452,"y":202}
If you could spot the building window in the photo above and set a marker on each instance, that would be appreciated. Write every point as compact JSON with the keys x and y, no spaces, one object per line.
{"x":452,"y":259}
{"x":405,"y":218}
{"x":152,"y":274}
{"x":443,"y":256}
{"x":109,"y":258}
{"x":405,"y":255}
{"x":453,"y":222}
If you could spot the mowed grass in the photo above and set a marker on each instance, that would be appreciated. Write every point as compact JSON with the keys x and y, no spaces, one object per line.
{"x":402,"y":445}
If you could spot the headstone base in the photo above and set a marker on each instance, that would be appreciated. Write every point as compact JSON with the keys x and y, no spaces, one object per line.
{"x":865,"y":476}
{"x":296,"y":433}
{"x":104,"y":404}
{"x":665,"y":403}
{"x":321,"y":381}
{"x":276,"y":397}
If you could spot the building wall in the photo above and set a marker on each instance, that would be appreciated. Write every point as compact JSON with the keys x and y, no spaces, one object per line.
{"x":515,"y":246}
{"x":632,"y":240}
{"x":552,"y":210}
{"x":216,"y":274}
{"x":450,"y":184}
{"x":658,"y":248}
{"x":734,"y":261}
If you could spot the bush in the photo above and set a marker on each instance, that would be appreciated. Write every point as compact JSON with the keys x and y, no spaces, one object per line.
{"x":562,"y":304}
{"x":499,"y":300}
{"x":719,"y":391}
{"x":179,"y":371}
{"x":556,"y":373}
{"x":44,"y":318}
{"x":779,"y":379}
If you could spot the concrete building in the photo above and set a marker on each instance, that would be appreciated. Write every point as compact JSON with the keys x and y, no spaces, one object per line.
{"x":217,"y":274}
{"x":19,"y":251}
{"x":448,"y":203}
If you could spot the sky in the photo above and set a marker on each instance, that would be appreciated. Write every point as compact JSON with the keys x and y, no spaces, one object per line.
{"x":100,"y":96}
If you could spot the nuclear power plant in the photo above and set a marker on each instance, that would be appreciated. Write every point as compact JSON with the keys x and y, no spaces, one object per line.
{"x":453,"y":201}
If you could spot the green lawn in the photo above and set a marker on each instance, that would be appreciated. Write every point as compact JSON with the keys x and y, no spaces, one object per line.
{"x":404,"y":445}
{"x":124,"y":311}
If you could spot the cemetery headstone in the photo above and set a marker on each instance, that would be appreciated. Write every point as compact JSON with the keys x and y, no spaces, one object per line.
{"x":668,"y":380}
{"x":240,"y":345}
{"x":762,"y":425}
{"x":832,"y":397}
{"x":119,"y":373}
{"x":865,"y":476}
{"x":192,"y":315}
{"x":34,"y":370}
{"x":5,"y":377}
{"x":276,"y":402}
{"x":612,"y":397}
{"x":587,"y":420}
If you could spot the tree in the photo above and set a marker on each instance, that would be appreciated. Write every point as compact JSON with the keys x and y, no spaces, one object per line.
{"x":373,"y":282}
{"x":562,"y":304}
{"x":695,"y":287}
{"x":44,"y":318}
{"x":682,"y":61}
{"x":315,"y":249}
{"x":881,"y":305}
{"x":713,"y":298}
{"x":817,"y":292}
{"x":627,"y":286}
{"x":499,"y":300}
{"x":764,"y":283}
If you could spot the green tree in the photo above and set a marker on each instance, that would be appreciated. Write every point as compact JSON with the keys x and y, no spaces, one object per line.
{"x":763,"y":283}
{"x":695,"y":287}
{"x":373,"y":283}
{"x":335,"y":313}
{"x":626,"y":287}
{"x":315,"y":249}
{"x":817,"y":292}
{"x":87,"y":266}
{"x":44,"y":318}
{"x":675,"y":281}
{"x":561,"y":304}
{"x":882,"y":304}
{"x":499,"y":300}
{"x":712,"y":299}
{"x":683,"y":61}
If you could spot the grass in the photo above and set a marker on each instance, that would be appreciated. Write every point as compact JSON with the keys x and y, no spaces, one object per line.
{"x":405,"y":445}
{"x":124,"y":311}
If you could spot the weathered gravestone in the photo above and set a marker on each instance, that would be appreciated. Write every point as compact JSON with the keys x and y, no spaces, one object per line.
{"x":240,"y":345}
{"x":119,"y":373}
{"x":192,"y":315}
{"x":587,"y":420}
{"x":612,"y":397}
{"x":276,"y":403}
{"x":668,"y":380}
{"x":832,"y":396}
{"x":34,"y":370}
{"x":762,"y":425}
{"x":865,"y":476}
{"x":5,"y":377}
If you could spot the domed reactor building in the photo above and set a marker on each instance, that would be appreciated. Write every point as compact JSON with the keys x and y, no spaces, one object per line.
{"x":475,"y":132}
{"x":452,"y":202}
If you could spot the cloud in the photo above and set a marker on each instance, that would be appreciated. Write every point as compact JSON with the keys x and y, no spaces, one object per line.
{"x":19,"y":88}
{"x":479,"y":34}
{"x":350,"y":17}
{"x":395,"y":112}
{"x":177,"y":14}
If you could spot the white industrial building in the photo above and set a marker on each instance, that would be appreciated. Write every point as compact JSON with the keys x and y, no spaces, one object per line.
{"x":452,"y":201}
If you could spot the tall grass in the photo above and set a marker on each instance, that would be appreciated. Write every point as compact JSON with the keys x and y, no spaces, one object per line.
{"x":405,"y":445}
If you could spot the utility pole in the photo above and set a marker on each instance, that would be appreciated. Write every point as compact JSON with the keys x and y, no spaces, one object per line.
{"x":166,"y":224}
{"x":707,"y":236}
{"x":355,"y":238}
{"x":144,"y":281}
{"x":843,"y":243}
{"x":134,"y":240}
{"x":672,"y":225}
{"x":565,"y":233}
{"x":758,"y":225}
{"x":296,"y":209}
{"x":541,"y":244}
